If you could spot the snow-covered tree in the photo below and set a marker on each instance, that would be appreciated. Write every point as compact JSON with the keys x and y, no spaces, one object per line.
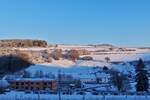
{"x":12,"y":63}
{"x":140,"y":65}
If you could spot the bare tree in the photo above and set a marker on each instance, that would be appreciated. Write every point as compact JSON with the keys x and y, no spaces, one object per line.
{"x":107,"y":59}
{"x":57,"y":54}
{"x":120,"y":81}
{"x":73,"y":54}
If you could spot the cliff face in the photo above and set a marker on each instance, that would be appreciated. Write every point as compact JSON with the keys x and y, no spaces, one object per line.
{"x":23,"y":43}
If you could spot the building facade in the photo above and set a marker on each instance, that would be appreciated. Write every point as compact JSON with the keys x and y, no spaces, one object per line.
{"x":33,"y":85}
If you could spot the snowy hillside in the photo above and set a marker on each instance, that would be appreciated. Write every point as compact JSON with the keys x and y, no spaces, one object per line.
{"x":94,"y":68}
{"x":99,"y":53}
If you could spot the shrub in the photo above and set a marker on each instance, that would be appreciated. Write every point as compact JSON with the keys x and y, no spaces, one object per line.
{"x":46,"y":56}
{"x":84,"y":52}
{"x":57,"y":54}
{"x":24,"y":55}
{"x":105,"y":68}
{"x":73,"y":55}
{"x":107,"y":59}
{"x":86,"y":58}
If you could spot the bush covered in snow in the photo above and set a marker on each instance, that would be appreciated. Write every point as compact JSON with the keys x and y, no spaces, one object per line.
{"x":86,"y":58}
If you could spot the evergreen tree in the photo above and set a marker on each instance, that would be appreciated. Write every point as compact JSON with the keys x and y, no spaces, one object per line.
{"x":141,"y":77}
{"x":140,"y":65}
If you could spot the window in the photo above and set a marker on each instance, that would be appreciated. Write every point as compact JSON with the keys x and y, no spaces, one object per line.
{"x":22,"y":83}
{"x":45,"y":83}
{"x":38,"y":88}
{"x":31,"y":88}
{"x":26,"y":88}
{"x":32,"y":82}
{"x":17,"y":83}
{"x":37,"y":83}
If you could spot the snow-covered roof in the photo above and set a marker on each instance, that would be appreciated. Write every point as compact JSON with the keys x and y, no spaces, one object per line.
{"x":33,"y":79}
{"x":4,"y":84}
{"x":87,"y":76}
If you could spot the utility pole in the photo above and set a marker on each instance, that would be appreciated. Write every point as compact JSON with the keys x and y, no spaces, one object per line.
{"x":59,"y":84}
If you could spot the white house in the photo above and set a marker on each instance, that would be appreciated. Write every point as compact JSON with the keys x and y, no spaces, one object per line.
{"x":88,"y":78}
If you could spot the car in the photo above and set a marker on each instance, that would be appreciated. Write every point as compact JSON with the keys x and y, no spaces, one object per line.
{"x":7,"y":90}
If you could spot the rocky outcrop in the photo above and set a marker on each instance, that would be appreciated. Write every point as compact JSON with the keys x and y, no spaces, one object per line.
{"x":23,"y":43}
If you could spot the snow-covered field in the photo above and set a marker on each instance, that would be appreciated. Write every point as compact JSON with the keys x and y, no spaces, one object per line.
{"x":23,"y":96}
{"x":79,"y":66}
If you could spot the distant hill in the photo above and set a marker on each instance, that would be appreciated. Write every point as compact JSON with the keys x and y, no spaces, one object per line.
{"x":23,"y":43}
